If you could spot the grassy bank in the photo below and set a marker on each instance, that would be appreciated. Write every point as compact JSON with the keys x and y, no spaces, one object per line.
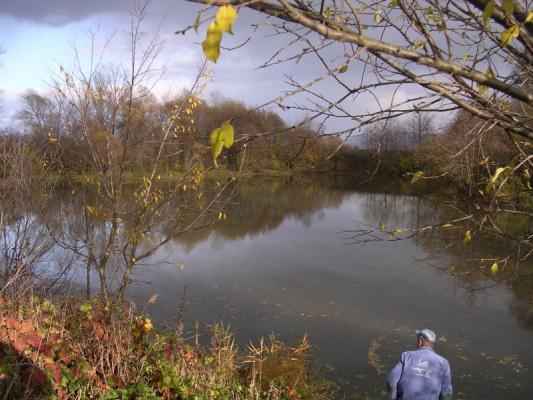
{"x":77,"y":350}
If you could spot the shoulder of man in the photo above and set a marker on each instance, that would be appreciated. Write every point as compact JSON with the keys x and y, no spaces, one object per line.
{"x":444,"y":362}
{"x":407,"y":355}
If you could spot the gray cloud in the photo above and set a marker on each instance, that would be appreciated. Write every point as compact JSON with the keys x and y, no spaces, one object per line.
{"x":236,"y":73}
{"x":60,"y":12}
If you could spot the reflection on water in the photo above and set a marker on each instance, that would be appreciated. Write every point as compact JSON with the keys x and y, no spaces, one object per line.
{"x":280,"y":263}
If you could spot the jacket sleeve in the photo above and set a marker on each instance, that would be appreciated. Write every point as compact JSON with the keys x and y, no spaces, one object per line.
{"x":394,"y":378}
{"x":446,"y":391}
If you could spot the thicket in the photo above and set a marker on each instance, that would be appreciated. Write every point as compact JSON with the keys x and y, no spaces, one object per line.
{"x":263,"y":141}
{"x":81,"y":350}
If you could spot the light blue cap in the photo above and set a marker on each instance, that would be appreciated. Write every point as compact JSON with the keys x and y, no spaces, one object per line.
{"x":427,"y":334}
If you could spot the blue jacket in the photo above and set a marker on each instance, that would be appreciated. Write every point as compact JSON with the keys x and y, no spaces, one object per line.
{"x":420,"y":375}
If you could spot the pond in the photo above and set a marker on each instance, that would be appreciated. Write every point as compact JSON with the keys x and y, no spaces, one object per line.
{"x":285,"y":261}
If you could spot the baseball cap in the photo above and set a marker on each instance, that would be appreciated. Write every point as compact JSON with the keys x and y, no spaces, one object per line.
{"x":427,"y":334}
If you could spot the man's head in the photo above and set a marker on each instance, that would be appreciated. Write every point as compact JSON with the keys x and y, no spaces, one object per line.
{"x":425,"y":337}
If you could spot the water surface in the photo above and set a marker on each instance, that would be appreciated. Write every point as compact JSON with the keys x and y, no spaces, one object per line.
{"x":283,"y":262}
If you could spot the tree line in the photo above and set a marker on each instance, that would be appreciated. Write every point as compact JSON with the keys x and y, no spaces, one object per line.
{"x":51,"y":126}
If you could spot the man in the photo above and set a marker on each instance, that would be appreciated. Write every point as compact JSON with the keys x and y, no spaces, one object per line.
{"x":421,"y":374}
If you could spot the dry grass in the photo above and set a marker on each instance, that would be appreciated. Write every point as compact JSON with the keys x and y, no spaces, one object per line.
{"x":82,"y":351}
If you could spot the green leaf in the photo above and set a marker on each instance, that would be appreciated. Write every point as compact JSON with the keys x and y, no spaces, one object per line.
{"x":86,"y":307}
{"x":494,"y":268}
{"x":508,"y":6}
{"x":418,"y":43}
{"x":343,"y":69}
{"x":220,"y":138}
{"x":226,"y":16}
{"x":211,"y":44}
{"x":487,"y":12}
{"x":509,"y":34}
{"x":393,"y":3}
{"x":428,"y":10}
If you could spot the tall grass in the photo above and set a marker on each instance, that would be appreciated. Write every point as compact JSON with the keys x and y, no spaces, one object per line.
{"x":76,"y":350}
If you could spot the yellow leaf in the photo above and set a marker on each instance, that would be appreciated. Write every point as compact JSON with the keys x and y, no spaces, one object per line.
{"x":416,"y":176}
{"x":508,"y":6}
{"x":51,"y":138}
{"x":494,"y":268}
{"x":468,"y":237}
{"x":484,"y":161}
{"x":428,"y":10}
{"x":493,"y":178}
{"x":487,"y":12}
{"x":148,"y":325}
{"x":489,"y":73}
{"x":418,"y":43}
{"x":400,"y":230}
{"x":197,"y":22}
{"x":220,"y":138}
{"x":377,"y":16}
{"x":393,"y":3}
{"x":382,"y":227}
{"x":509,"y":34}
{"x":211,"y":44}
{"x":226,"y":16}
{"x":446,"y":226}
{"x":343,"y":69}
{"x":529,"y":18}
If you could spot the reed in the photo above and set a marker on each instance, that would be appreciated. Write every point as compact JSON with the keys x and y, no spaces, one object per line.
{"x":74,"y":350}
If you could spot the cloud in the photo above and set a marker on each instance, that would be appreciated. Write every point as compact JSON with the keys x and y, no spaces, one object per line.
{"x":10,"y":104}
{"x":60,"y":12}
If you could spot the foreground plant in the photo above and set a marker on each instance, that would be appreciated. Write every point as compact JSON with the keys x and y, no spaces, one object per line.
{"x":81,"y":351}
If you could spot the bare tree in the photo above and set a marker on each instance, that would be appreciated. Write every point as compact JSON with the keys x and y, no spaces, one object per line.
{"x":460,"y":55}
{"x":2,"y":51}
{"x":24,"y":242}
{"x":419,"y":128}
{"x":474,"y":55}
{"x":116,"y":227}
{"x":454,"y":50}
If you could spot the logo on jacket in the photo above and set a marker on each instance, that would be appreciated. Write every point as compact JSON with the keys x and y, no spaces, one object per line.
{"x":422,"y":369}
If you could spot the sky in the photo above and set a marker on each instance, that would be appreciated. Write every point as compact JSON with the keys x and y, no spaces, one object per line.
{"x":38,"y":36}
